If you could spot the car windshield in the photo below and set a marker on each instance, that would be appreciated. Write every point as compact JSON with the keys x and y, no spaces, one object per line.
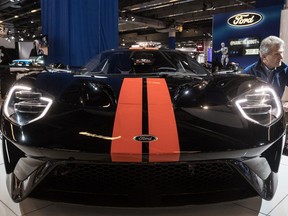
{"x":144,"y":62}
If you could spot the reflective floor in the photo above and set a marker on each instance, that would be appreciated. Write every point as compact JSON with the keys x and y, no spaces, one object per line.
{"x":278,"y":206}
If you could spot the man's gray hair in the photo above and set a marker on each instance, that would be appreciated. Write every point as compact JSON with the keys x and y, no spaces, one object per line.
{"x":268,"y":43}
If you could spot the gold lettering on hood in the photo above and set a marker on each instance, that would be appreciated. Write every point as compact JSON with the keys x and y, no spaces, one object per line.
{"x":99,"y":136}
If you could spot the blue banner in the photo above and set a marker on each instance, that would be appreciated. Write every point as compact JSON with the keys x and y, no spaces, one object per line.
{"x":242,"y":32}
{"x":269,"y":3}
{"x":78,"y":30}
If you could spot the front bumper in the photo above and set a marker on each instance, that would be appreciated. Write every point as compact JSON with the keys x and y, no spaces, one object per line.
{"x":196,"y":178}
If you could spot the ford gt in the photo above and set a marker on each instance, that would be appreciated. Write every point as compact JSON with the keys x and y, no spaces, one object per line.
{"x":141,"y":127}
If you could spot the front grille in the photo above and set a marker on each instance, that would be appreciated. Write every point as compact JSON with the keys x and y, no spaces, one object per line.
{"x":196,"y":182}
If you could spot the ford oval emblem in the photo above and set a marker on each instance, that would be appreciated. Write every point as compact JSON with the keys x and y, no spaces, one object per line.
{"x":145,"y":138}
{"x":245,"y":19}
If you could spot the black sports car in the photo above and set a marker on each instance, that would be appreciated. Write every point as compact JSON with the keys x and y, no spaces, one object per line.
{"x":142,"y":127}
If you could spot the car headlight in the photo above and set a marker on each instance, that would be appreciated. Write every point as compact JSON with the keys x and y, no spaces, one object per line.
{"x":24,"y":105}
{"x":261,"y":105}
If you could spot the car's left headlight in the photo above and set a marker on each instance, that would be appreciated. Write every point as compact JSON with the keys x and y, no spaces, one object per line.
{"x":24,"y":105}
{"x":260,"y":105}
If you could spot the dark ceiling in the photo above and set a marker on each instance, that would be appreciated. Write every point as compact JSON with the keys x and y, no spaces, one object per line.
{"x":157,"y":14}
{"x":135,"y":16}
{"x":20,"y":18}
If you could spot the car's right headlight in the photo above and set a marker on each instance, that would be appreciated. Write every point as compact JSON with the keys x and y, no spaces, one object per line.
{"x":260,"y":105}
{"x":24,"y":105}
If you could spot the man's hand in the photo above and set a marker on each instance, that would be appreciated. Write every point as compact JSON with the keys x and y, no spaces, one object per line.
{"x":285,"y":106}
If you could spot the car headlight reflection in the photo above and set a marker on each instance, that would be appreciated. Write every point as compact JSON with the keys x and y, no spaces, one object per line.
{"x":261,"y":106}
{"x":24,"y":105}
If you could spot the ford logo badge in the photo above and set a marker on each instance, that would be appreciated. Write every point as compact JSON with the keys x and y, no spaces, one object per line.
{"x":145,"y":138}
{"x":245,"y":19}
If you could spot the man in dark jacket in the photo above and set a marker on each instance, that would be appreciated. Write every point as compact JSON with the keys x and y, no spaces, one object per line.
{"x":36,"y":50}
{"x":270,"y":66}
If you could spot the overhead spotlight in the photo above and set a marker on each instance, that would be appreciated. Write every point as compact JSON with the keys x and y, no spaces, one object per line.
{"x":179,"y":28}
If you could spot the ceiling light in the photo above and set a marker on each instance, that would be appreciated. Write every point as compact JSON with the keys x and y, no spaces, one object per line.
{"x":179,"y":28}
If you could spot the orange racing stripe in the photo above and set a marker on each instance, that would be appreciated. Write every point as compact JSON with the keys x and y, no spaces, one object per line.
{"x":128,"y":122}
{"x":162,"y":122}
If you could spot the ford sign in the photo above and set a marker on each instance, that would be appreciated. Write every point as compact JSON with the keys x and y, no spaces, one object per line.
{"x":145,"y":138}
{"x":245,"y":19}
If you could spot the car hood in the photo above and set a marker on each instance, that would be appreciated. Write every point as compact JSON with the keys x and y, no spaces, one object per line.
{"x":161,"y":114}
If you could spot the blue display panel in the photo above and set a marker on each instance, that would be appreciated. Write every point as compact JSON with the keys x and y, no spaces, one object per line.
{"x":242,"y":32}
